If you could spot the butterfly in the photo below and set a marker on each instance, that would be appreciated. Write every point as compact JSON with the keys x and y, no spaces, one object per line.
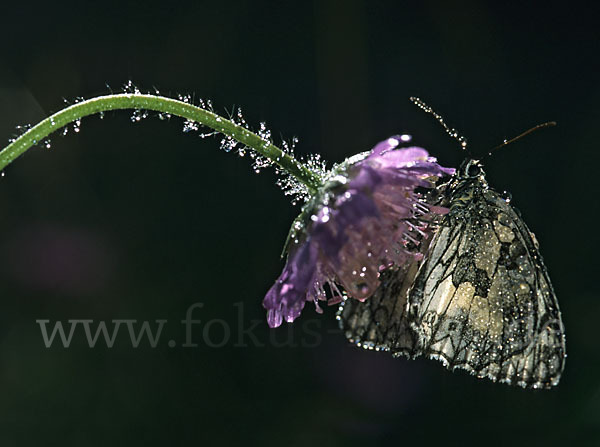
{"x":480,"y":299}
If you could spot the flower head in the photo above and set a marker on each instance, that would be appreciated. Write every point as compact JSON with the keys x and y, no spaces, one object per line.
{"x":364,"y":219}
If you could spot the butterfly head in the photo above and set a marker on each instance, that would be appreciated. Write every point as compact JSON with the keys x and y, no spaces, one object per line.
{"x":469,"y":179}
{"x":471,"y":169}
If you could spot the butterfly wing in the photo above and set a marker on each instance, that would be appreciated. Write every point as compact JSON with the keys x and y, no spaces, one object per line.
{"x":482,"y":300}
{"x":380,"y":322}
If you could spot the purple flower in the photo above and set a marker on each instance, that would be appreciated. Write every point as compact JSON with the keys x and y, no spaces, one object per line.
{"x":359,"y":223}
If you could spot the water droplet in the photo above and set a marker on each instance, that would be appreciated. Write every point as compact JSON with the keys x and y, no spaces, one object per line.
{"x":129,"y":87}
{"x":190,"y":126}
{"x":264,"y":134}
{"x":24,"y":128}
{"x":228,"y":143}
{"x":208,"y":134}
{"x":138,"y":115}
{"x":363,"y":288}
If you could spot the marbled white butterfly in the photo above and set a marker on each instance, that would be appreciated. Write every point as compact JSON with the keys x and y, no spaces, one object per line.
{"x":480,"y":299}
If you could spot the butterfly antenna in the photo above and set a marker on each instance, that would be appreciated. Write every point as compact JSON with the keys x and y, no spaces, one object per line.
{"x":518,"y":137}
{"x":450,"y":131}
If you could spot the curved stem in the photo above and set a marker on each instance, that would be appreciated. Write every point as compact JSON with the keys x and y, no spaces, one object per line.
{"x":182,"y":109}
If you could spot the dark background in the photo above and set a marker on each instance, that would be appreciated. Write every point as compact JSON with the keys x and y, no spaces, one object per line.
{"x":140,"y":221}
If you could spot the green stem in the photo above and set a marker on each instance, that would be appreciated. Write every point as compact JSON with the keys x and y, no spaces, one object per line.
{"x":185,"y":110}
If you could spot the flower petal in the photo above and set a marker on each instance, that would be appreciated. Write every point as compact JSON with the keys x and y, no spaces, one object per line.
{"x":358,"y":224}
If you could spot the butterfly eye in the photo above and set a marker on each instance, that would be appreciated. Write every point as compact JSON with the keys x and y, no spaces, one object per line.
{"x":473,"y":170}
